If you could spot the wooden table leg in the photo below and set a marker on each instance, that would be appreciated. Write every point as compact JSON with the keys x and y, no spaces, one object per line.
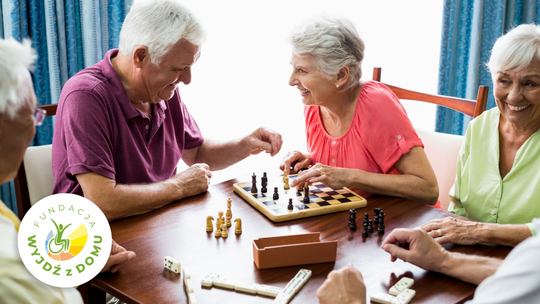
{"x":91,"y":294}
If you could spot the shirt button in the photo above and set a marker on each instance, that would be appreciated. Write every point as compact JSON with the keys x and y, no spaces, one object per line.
{"x":492,"y":211}
{"x":399,"y":137}
{"x":333,"y":143}
{"x":147,"y":127}
{"x":334,"y":160}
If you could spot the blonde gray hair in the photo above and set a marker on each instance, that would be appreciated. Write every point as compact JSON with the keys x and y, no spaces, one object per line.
{"x":15,"y":60}
{"x":515,"y":50}
{"x":158,"y":25}
{"x":333,"y":43}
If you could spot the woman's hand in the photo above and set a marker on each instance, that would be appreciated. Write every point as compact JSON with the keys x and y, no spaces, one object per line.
{"x":454,"y":231}
{"x":330,"y":176}
{"x":296,"y":158}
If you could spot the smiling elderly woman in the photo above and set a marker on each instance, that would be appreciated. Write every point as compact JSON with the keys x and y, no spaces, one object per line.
{"x":497,"y":180}
{"x":358,"y":133}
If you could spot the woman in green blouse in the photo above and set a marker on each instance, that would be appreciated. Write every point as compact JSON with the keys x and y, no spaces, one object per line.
{"x":498,"y":179}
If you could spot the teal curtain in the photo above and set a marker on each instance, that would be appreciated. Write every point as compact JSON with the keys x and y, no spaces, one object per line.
{"x":470,"y":29}
{"x":68,"y":36}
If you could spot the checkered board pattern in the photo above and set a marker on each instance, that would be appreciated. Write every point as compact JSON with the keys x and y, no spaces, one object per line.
{"x":323,"y":199}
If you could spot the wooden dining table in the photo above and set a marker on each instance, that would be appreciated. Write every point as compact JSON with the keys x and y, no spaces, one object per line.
{"x":179,"y":230}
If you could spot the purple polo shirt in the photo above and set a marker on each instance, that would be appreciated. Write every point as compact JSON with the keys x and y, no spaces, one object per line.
{"x":99,"y":130}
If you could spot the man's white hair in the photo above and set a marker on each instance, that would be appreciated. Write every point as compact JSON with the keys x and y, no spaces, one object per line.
{"x":333,"y":43}
{"x":15,"y":60}
{"x":158,"y":25}
{"x":515,"y":50}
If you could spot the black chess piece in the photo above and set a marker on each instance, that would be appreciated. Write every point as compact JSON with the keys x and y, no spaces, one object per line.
{"x":376,"y":219}
{"x":276,"y":195}
{"x":254,"y":184}
{"x":377,"y":210}
{"x":264,"y":183}
{"x":290,"y":205}
{"x":365,"y":231}
{"x":306,"y":195}
{"x":264,"y":180}
{"x":370,"y":226}
{"x":381,"y":226}
{"x":366,"y":216}
{"x":352,"y":219}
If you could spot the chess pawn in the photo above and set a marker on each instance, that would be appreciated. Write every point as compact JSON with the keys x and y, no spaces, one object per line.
{"x":218,"y":229}
{"x":286,"y":186}
{"x":224,"y":233}
{"x":284,"y":175}
{"x":238,"y":226}
{"x":364,"y":232}
{"x":228,"y":222}
{"x":370,"y":226}
{"x":220,"y":213}
{"x":209,"y":224}
{"x":276,"y":194}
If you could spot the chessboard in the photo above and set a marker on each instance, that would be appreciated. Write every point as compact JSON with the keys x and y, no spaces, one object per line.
{"x":323,"y":199}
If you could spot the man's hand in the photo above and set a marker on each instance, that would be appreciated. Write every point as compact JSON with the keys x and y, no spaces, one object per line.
{"x":194,"y":180}
{"x":263,"y":140}
{"x":299,"y":159}
{"x":416,"y":247}
{"x":344,"y":286}
{"x":119,"y":256}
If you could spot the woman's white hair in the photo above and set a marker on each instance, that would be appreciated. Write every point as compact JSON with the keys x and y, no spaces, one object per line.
{"x":333,"y":43}
{"x":15,"y":60}
{"x":158,"y":24}
{"x":515,"y":50}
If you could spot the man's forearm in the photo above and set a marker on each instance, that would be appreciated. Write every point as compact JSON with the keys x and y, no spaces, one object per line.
{"x":119,"y":201}
{"x":469,"y":268}
{"x":219,"y":156}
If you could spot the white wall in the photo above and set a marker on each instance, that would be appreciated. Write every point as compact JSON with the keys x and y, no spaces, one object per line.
{"x":241,"y":80}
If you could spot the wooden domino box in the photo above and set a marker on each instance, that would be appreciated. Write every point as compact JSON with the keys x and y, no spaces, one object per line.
{"x":323,"y":200}
{"x":290,"y":250}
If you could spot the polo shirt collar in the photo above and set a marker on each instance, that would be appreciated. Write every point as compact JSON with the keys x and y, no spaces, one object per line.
{"x":117,"y":87}
{"x":128,"y":109}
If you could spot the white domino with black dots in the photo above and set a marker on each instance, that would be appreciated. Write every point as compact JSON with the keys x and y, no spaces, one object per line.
{"x":401,"y":294}
{"x":401,"y":285}
{"x":292,"y":288}
{"x":173,"y":265}
{"x":281,"y":295}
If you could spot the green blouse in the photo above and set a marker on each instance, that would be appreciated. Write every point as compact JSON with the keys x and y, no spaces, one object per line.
{"x":479,"y":191}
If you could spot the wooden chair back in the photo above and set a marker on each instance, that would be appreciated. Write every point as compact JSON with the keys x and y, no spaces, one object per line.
{"x":469,"y":107}
{"x":22,"y":193}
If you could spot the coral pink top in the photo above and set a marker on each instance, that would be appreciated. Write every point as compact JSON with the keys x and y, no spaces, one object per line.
{"x":379,"y":135}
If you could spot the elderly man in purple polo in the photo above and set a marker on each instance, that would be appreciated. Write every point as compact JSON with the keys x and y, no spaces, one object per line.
{"x":122,"y":127}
